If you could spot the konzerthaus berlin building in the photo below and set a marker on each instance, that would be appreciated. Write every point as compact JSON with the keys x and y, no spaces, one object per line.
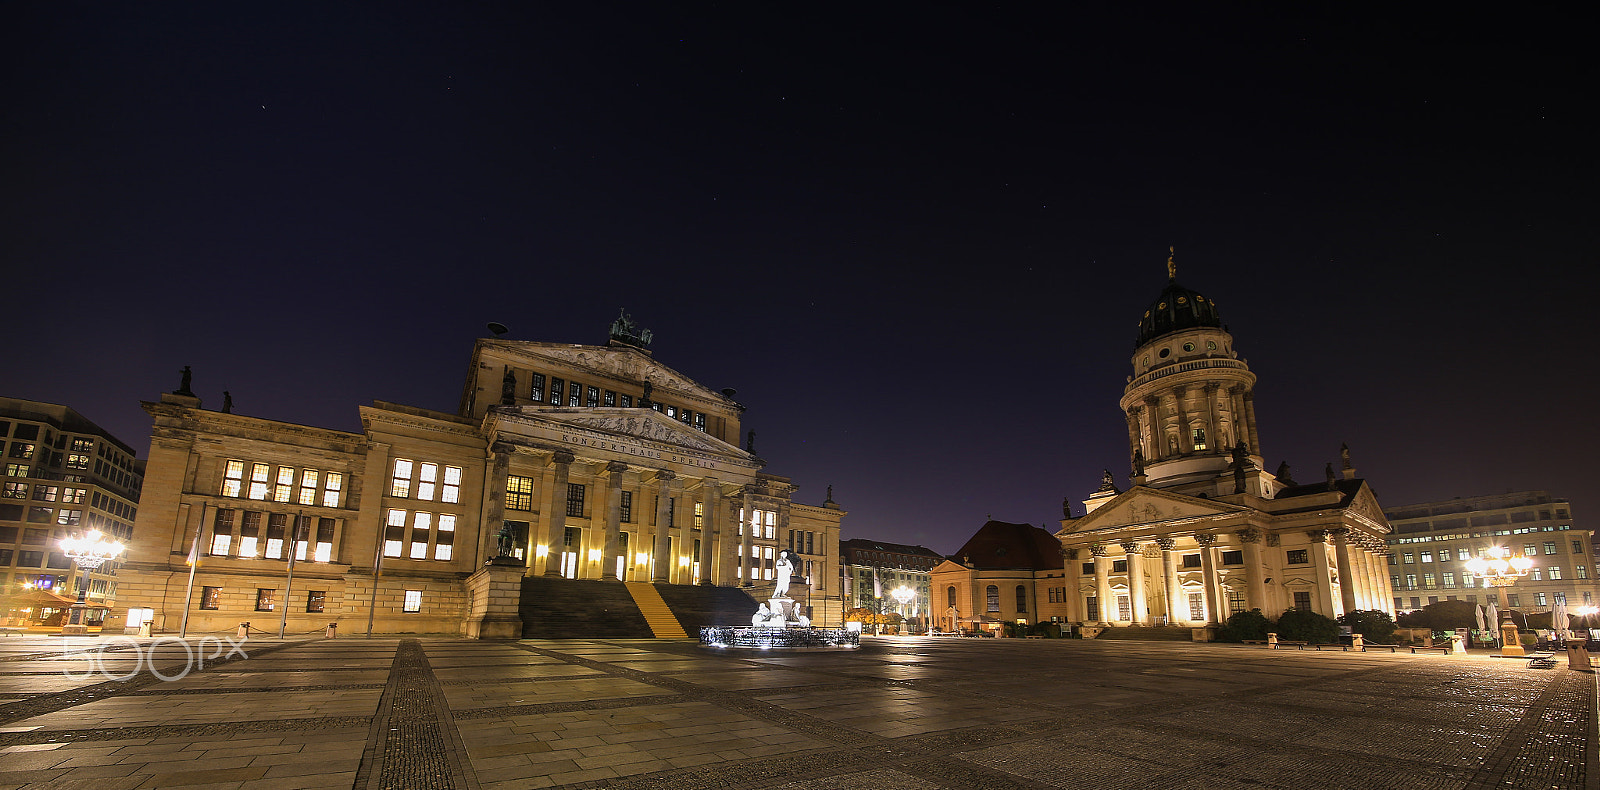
{"x":1205,"y":531}
{"x":574,"y":461}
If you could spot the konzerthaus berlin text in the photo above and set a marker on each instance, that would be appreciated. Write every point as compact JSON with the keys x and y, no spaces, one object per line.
{"x":564,"y":461}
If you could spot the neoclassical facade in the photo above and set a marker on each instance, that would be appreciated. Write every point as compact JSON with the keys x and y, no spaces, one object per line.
{"x":1204,"y":531}
{"x":566,"y":461}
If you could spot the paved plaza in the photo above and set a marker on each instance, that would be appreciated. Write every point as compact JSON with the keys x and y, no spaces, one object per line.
{"x":898,"y":714}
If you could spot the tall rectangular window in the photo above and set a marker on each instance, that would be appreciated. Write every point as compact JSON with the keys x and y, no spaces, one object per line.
{"x":421,"y":525}
{"x":331,"y":484}
{"x":1449,"y":579}
{"x":1559,"y":597}
{"x":1549,"y":547}
{"x":536,"y":388}
{"x":1235,"y":602}
{"x":285,"y":485}
{"x":210,"y":597}
{"x":394,"y":534}
{"x":556,"y":387}
{"x":593,"y":397}
{"x":427,"y":480}
{"x":451,"y":493}
{"x":574,"y":394}
{"x":1577,"y":547}
{"x":1124,"y":607}
{"x":1582,"y":571}
{"x":1555,"y":573}
{"x":265,"y":597}
{"x":1463,"y":555}
{"x":308,"y":486}
{"x":519,"y":492}
{"x":233,"y":479}
{"x":277,"y":534}
{"x":1302,"y":601}
{"x":575,"y":500}
{"x":250,"y":534}
{"x":627,"y":507}
{"x":1539,"y":599}
{"x":324,"y":540}
{"x":627,"y":401}
{"x":1428,"y":581}
{"x":610,"y":398}
{"x":444,"y":542}
{"x":1092,"y":608}
{"x":700,"y":421}
{"x":413,"y":602}
{"x":401,"y":484}
{"x":699,"y":515}
{"x":1427,"y":556}
{"x":222,"y":532}
{"x":258,"y":481}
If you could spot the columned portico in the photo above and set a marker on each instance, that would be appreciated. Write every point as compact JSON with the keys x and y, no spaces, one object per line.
{"x":1254,"y":580}
{"x":1138,"y":608}
{"x":556,"y":532}
{"x":609,"y":557}
{"x":661,"y":560}
{"x":710,"y":529}
{"x":747,"y":568}
{"x":1102,"y":582}
{"x":1169,"y":578}
{"x":1208,"y":574}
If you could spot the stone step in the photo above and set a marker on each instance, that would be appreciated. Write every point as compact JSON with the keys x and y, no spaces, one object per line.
{"x":1148,"y":634}
{"x":662,"y":622}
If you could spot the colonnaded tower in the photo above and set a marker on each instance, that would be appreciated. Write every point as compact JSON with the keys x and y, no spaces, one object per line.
{"x":1190,"y":402}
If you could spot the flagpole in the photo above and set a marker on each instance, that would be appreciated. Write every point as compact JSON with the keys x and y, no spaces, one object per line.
{"x":288,"y":586}
{"x":194,"y":562}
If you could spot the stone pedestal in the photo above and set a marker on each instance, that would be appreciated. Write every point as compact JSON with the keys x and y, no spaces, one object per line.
{"x":496,"y":592}
{"x":1510,"y":639}
{"x":785,"y":605}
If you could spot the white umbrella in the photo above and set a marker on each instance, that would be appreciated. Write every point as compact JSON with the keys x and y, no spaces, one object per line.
{"x":1493,"y":615}
{"x":1479,"y":613}
{"x":1558,"y":617}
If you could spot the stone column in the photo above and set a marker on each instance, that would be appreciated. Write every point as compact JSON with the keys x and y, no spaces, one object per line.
{"x":1250,"y":422}
{"x":1347,"y":581}
{"x":608,"y":557}
{"x":494,"y":508}
{"x":1211,"y":418}
{"x":1074,"y":582}
{"x":1152,"y":412}
{"x":1385,"y":584}
{"x":1102,"y":581}
{"x":557,"y":517}
{"x":662,"y":563}
{"x":709,"y":533}
{"x":1323,"y":603}
{"x":1133,"y":430}
{"x":1176,"y":609}
{"x":1185,"y":433}
{"x":1254,"y":581}
{"x":1236,"y":411}
{"x":1208,"y":574}
{"x":1139,"y":610}
{"x":745,"y":529}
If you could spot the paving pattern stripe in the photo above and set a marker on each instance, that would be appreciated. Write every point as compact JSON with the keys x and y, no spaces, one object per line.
{"x":61,"y":700}
{"x":257,"y":689}
{"x":327,"y":723}
{"x":1530,"y":751}
{"x":508,"y":711}
{"x":413,"y":743}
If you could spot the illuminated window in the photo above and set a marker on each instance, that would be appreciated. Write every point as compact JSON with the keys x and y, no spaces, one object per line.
{"x":610,"y":398}
{"x":1427,"y":556}
{"x":401,"y":485}
{"x":1549,"y":547}
{"x":1555,"y":573}
{"x":574,"y":394}
{"x":993,"y":595}
{"x":627,"y":401}
{"x":1582,"y":571}
{"x":575,"y":500}
{"x":258,"y":481}
{"x":249,"y":533}
{"x":1529,"y":550}
{"x":308,"y":487}
{"x":222,"y":533}
{"x":324,"y":540}
{"x":1428,"y":581}
{"x":1410,"y":558}
{"x":1449,"y":579}
{"x":421,"y":524}
{"x":21,"y":450}
{"x":444,"y":543}
{"x":427,"y":480}
{"x":15,"y":491}
{"x":699,"y":515}
{"x":556,"y":387}
{"x":210,"y":597}
{"x":519,"y":493}
{"x":593,"y":397}
{"x":285,"y":485}
{"x":700,"y":421}
{"x":1535,"y":575}
{"x":452,"y":485}
{"x":265,"y":596}
{"x":315,"y":599}
{"x":16,"y":470}
{"x":44,"y":493}
{"x":1199,"y":438}
{"x":1468,"y":581}
{"x":1411,"y":581}
{"x":413,"y":601}
{"x":1538,"y":599}
{"x":536,"y":389}
{"x":277,"y":525}
{"x":394,"y":533}
{"x":73,"y":496}
{"x":627,"y":507}
{"x":1463,"y":555}
{"x":77,"y":461}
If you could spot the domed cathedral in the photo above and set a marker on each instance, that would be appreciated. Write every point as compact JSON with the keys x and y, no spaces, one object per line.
{"x":1190,"y":401}
{"x":1204,"y":531}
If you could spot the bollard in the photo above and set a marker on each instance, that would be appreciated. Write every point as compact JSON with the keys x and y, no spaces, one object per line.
{"x":1358,"y":642}
{"x":1272,"y":641}
{"x":332,"y":627}
{"x":244,"y":630}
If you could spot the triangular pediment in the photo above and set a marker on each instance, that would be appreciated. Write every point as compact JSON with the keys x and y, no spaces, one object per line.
{"x":950,"y":566}
{"x":622,"y":363}
{"x":1365,"y":504}
{"x":1141,"y":505}
{"x":633,"y":426}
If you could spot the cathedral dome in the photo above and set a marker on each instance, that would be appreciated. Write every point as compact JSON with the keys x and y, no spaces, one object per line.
{"x":1176,"y":309}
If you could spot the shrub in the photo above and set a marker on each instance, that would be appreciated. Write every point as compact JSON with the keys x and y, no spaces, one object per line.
{"x":1301,"y":625}
{"x":1373,"y":624}
{"x":1244,"y":625}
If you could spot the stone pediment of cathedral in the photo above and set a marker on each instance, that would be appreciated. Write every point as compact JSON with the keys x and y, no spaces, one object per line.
{"x":1365,"y":505}
{"x":621,"y":363}
{"x":1140,"y":506}
{"x":623,"y":433}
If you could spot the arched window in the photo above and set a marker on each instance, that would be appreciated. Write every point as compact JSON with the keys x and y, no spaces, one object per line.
{"x":994,"y":598}
{"x":950,"y":596}
{"x":1022,"y":598}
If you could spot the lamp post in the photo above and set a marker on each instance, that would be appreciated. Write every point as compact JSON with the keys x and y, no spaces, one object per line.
{"x":1500,"y":569}
{"x":903,"y":594}
{"x":89,"y":552}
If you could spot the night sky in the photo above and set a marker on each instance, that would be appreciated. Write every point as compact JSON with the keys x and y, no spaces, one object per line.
{"x":916,"y":240}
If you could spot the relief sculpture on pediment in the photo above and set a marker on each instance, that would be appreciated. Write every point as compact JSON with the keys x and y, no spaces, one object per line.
{"x":646,"y":428}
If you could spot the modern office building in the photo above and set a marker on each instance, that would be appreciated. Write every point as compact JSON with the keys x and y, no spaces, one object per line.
{"x":568,"y":461}
{"x":1205,"y":531}
{"x":873,"y":572}
{"x":64,"y":476}
{"x":1433,"y":541}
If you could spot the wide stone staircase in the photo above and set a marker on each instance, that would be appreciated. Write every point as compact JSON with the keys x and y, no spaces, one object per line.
{"x":662,"y":622}
{"x":557,"y":608}
{"x":1147,"y":634}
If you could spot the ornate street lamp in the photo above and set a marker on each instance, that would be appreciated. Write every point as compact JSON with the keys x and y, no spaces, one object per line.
{"x":1501,"y":569}
{"x":89,"y":552}
{"x":903,"y":594}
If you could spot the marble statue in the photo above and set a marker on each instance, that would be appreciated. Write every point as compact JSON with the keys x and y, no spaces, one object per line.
{"x":783,"y":569}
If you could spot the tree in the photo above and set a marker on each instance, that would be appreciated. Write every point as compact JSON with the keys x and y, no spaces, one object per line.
{"x":1244,"y":625}
{"x":1442,"y":616}
{"x":1303,"y":625}
{"x":1372,"y":624}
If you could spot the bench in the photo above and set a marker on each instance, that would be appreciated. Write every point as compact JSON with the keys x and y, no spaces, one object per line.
{"x":1541,"y":660}
{"x":1437,"y":648}
{"x":8,"y":630}
{"x":1330,"y":647}
{"x":1032,"y":636}
{"x":1282,"y":643}
{"x":1254,"y":641}
{"x":1372,"y":646}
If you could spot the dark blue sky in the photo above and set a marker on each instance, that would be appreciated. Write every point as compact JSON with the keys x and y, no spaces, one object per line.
{"x":916,"y":240}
